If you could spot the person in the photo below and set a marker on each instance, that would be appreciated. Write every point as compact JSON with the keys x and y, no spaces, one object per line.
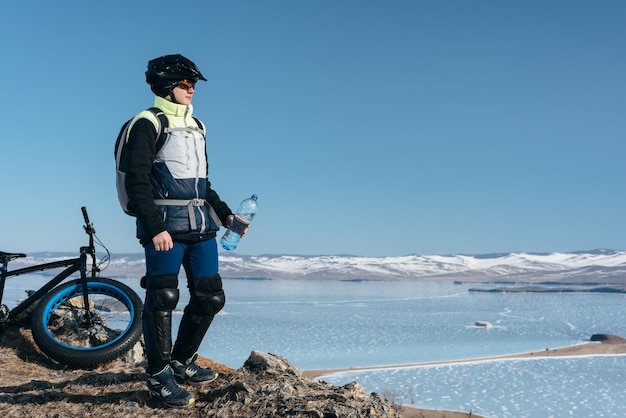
{"x":178,"y":214}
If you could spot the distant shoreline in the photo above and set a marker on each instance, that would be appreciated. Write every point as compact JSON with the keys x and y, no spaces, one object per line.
{"x":606,"y":345}
{"x":597,"y":288}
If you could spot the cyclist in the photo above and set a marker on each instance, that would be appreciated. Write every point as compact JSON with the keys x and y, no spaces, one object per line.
{"x":172,"y":198}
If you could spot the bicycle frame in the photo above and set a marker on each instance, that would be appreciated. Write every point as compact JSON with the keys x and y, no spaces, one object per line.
{"x":73,"y":265}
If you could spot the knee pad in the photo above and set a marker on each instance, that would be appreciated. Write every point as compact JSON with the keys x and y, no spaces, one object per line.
{"x":162,"y":292}
{"x":207,"y":296}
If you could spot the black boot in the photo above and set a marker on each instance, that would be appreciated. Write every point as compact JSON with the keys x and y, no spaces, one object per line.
{"x":207,"y":299}
{"x":190,"y":334}
{"x":191,"y":331}
{"x":157,"y":331}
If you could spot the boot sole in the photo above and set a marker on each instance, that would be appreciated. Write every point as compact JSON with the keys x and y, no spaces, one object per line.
{"x":157,"y":396}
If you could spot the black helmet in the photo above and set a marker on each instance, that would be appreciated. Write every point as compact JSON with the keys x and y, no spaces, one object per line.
{"x":165,"y":72}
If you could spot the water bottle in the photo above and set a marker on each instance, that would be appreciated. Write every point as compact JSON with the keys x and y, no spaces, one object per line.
{"x":243,"y":217}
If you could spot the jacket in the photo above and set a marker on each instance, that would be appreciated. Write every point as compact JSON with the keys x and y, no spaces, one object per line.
{"x":178,"y":172}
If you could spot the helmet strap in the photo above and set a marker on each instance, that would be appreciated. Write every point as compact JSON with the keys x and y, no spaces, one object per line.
{"x":171,"y":95}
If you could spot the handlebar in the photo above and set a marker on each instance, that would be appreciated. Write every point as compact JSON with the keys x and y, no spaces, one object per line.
{"x":91,"y":231}
{"x":88,"y":225}
{"x":84,"y":209}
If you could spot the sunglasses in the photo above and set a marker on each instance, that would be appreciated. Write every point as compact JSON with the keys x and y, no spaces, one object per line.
{"x":185,"y":85}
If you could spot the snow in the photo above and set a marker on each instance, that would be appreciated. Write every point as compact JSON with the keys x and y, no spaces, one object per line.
{"x":593,"y":266}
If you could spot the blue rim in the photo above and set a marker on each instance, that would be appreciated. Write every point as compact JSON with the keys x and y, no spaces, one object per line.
{"x":76,"y":290}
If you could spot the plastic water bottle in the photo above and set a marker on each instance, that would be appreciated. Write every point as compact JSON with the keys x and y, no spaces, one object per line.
{"x":246,"y":211}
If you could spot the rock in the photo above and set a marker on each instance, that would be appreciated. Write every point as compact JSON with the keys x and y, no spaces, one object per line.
{"x":268,"y":385}
{"x":78,"y":302}
{"x":268,"y":363}
{"x":599,"y":337}
{"x":134,"y":356}
{"x":608,"y":338}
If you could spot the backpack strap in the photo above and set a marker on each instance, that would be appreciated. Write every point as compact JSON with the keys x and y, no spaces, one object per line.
{"x":160,"y":122}
{"x":163,"y":132}
{"x":201,"y":126}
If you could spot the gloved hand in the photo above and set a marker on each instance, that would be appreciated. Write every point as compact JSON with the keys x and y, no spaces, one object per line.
{"x":229,"y":223}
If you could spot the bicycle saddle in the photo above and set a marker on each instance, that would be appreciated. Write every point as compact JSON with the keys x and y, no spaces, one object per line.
{"x":6,"y":257}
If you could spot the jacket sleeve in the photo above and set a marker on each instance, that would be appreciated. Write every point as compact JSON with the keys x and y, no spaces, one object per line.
{"x":140,"y":154}
{"x":220,"y":207}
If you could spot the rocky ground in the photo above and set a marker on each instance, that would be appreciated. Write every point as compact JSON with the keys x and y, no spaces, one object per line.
{"x":266,"y":386}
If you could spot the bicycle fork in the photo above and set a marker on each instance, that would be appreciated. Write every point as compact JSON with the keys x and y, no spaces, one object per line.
{"x":4,"y":309}
{"x":84,"y":284}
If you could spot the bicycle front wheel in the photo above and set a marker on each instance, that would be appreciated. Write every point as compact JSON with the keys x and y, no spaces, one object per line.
{"x":86,"y":337}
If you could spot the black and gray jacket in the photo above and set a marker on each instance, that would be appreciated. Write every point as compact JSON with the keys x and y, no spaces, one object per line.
{"x":169,"y":190}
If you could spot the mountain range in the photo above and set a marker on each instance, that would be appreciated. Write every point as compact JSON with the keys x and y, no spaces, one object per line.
{"x":600,"y":266}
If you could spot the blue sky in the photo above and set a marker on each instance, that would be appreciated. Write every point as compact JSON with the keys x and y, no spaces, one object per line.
{"x":373,"y":128}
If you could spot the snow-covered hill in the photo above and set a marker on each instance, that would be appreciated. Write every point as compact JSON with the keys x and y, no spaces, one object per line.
{"x":597,"y":266}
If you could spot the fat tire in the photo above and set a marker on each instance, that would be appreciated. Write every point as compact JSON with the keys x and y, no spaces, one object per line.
{"x":88,"y":356}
